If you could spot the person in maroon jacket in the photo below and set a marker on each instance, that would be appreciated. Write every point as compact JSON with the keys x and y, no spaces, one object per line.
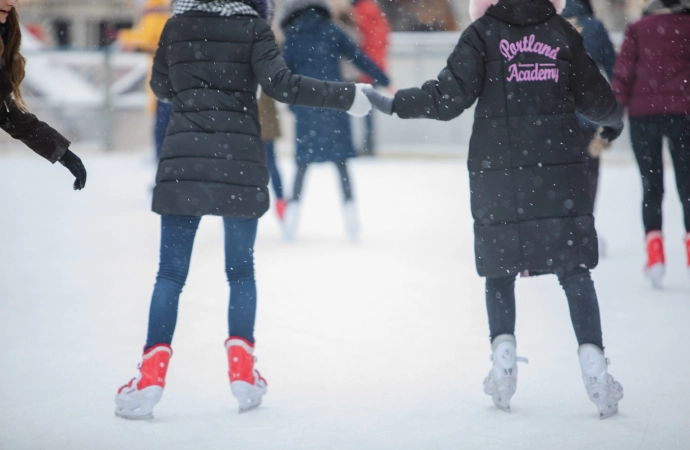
{"x":652,"y":80}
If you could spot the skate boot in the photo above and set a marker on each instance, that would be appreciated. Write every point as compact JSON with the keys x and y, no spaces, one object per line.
{"x":687,"y":250}
{"x":136,"y":399}
{"x":501,"y":382}
{"x":655,"y":267}
{"x":246,"y":383}
{"x":290,"y":220}
{"x":603,"y":390}
{"x":351,"y":220}
{"x":280,"y":208}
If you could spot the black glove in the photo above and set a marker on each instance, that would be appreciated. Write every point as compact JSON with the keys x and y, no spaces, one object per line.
{"x":378,"y":100}
{"x":74,"y":165}
{"x":611,"y":133}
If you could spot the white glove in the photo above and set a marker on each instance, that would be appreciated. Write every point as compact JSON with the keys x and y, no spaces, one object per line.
{"x":361,"y":105}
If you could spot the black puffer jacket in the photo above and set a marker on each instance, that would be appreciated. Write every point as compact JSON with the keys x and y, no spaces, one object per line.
{"x":213,"y":160}
{"x":528,"y":158}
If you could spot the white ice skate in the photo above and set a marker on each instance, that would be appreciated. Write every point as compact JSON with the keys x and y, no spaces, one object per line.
{"x":501,"y":383}
{"x":290,"y":220}
{"x":603,"y":390}
{"x":351,"y":220}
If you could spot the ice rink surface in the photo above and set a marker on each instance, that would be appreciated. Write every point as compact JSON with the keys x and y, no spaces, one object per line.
{"x":381,"y":344}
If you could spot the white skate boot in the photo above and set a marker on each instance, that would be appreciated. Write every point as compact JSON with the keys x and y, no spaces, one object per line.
{"x":290,"y":220}
{"x":603,"y":390}
{"x":351,"y":220}
{"x":501,"y":382}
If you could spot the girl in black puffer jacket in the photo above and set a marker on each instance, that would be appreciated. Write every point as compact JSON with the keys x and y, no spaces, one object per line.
{"x":528,"y":69}
{"x":211,"y":58}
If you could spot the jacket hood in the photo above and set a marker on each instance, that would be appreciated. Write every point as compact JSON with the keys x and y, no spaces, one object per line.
{"x":517,"y":12}
{"x":292,"y":8}
{"x":577,"y":8}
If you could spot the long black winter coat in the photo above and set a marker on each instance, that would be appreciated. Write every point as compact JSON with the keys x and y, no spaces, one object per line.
{"x":208,"y":66}
{"x":529,"y":180}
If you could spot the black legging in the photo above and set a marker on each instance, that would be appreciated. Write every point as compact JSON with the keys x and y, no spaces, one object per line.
{"x":582,"y":300}
{"x":342,"y":173}
{"x":647,"y":135}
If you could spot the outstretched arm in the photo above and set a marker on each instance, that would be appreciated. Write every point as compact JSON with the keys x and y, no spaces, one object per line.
{"x":352,"y":52}
{"x":278,"y":82}
{"x":458,"y":85}
{"x":160,"y":81}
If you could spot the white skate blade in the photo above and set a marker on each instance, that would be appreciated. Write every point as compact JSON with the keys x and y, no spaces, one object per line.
{"x":501,"y":392}
{"x":139,"y":404}
{"x":655,"y":274}
{"x":248,"y":396}
{"x":608,"y":412}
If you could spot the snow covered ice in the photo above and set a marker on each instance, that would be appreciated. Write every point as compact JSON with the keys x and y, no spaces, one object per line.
{"x":382,"y":344}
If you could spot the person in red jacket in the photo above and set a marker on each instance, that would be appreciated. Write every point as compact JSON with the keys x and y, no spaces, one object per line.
{"x":652,"y":80}
{"x":374,"y":29}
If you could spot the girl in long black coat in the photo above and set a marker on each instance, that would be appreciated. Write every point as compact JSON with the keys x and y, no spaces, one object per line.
{"x":14,"y":117}
{"x":211,"y":58}
{"x":528,"y":69}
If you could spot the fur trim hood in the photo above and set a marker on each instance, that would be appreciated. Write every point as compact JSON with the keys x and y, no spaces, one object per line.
{"x":479,"y":7}
{"x":290,"y":8}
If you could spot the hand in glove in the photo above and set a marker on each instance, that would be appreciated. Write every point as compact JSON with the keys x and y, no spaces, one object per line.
{"x":360,"y":106}
{"x":612,"y":133}
{"x":378,"y":100}
{"x":74,"y":165}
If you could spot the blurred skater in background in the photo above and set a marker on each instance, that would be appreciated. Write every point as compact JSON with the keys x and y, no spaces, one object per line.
{"x":313,"y":46}
{"x":270,"y":131}
{"x":651,"y":80}
{"x":529,"y":184}
{"x":15,"y":119}
{"x":374,"y":31}
{"x":599,"y":46}
{"x":144,"y":38}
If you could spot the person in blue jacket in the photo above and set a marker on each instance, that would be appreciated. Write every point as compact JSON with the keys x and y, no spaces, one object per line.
{"x":313,"y":47}
{"x":599,"y":46}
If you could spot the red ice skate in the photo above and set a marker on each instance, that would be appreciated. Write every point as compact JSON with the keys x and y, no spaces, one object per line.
{"x":280,"y":208}
{"x":136,"y":399}
{"x":246,"y":383}
{"x":687,"y":249}
{"x":655,"y":267}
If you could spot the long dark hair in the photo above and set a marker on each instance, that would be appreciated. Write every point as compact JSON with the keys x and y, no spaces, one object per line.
{"x":14,"y":61}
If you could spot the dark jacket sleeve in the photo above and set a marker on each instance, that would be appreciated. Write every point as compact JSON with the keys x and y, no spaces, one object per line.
{"x":594,"y":98}
{"x":624,"y":71}
{"x":36,"y":135}
{"x":458,"y":85}
{"x":278,"y":82}
{"x":351,"y":51}
{"x":160,"y":81}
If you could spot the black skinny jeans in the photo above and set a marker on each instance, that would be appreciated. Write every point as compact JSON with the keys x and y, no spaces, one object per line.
{"x":582,"y":300}
{"x":647,"y":135}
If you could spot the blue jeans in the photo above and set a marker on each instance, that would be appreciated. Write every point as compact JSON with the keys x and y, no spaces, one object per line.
{"x":177,"y":240}
{"x":273,"y":168}
{"x":163,"y":112}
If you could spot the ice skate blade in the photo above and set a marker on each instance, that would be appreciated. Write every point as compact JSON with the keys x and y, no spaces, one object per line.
{"x":138,"y":405}
{"x":606,"y":414}
{"x":246,"y":409}
{"x":655,"y":274}
{"x":130,"y":417}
